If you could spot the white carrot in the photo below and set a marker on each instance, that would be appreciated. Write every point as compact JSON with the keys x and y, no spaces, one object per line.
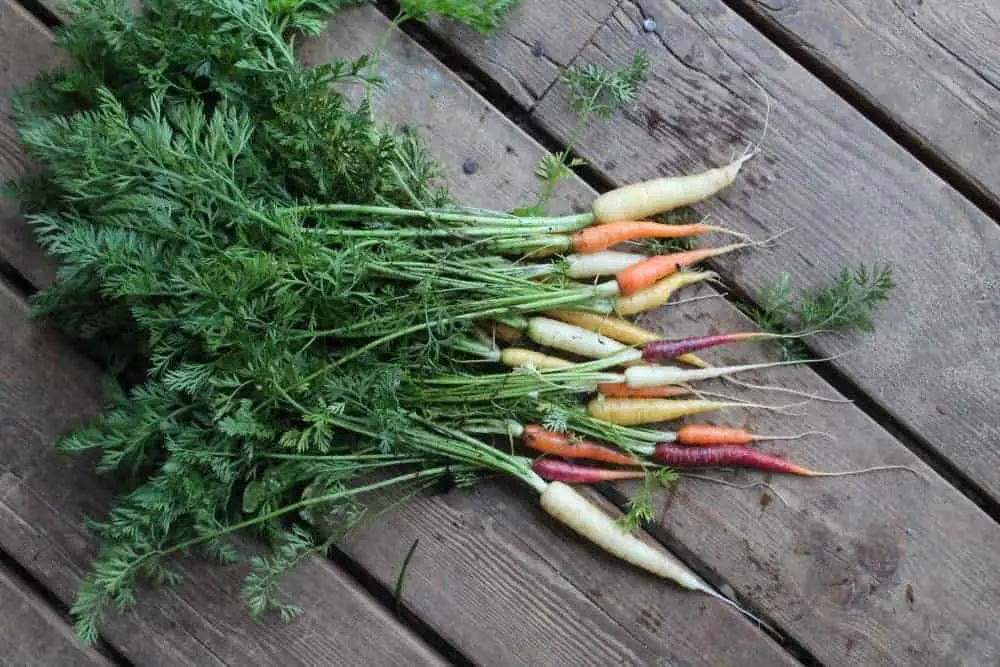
{"x":638,"y":377}
{"x":566,"y":505}
{"x":577,"y":340}
{"x":605,"y":263}
{"x":659,"y":195}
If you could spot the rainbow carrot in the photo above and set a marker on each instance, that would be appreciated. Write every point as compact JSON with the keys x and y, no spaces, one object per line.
{"x":553,"y":470}
{"x":602,"y":237}
{"x":669,"y":349}
{"x":644,"y":274}
{"x":559,"y":444}
{"x":622,"y":390}
{"x":709,"y":435}
{"x":735,"y":456}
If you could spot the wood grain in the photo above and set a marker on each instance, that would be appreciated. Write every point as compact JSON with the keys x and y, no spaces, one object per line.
{"x":33,"y":633}
{"x":848,"y":193}
{"x":538,"y":39}
{"x":25,"y":50}
{"x":932,"y":65}
{"x":836,"y":567}
{"x":498,"y":597}
{"x":45,"y":497}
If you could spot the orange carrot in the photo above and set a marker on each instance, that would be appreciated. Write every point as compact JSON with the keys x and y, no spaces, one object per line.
{"x":644,"y":274}
{"x":602,"y":237}
{"x":622,"y":390}
{"x":559,"y":444}
{"x":707,"y":435}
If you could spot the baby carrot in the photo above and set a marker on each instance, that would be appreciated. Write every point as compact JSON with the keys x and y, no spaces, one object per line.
{"x":735,"y":456}
{"x":602,"y":237}
{"x":559,"y":444}
{"x":614,"y":327}
{"x":644,"y":274}
{"x":657,"y":295}
{"x":553,"y":470}
{"x":622,"y":390}
{"x":669,"y":349}
{"x":633,"y":411}
{"x":709,"y":435}
{"x":516,"y":357}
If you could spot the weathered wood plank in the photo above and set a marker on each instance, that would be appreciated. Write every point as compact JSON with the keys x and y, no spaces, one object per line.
{"x":25,"y":50}
{"x":33,"y":633}
{"x":491,"y":593}
{"x":47,"y":388}
{"x":932,"y":65}
{"x":849,"y":193}
{"x":843,"y":559}
{"x":526,"y":56}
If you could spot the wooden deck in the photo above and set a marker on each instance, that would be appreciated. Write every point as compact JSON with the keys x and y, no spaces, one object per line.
{"x":885,"y":121}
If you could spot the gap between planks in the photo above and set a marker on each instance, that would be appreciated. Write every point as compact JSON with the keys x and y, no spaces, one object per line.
{"x":34,"y":625}
{"x":922,"y":145}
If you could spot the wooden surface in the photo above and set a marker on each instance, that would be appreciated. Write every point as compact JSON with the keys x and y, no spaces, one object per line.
{"x":46,"y":388}
{"x":25,"y":50}
{"x":528,"y":54}
{"x":474,"y":578}
{"x":814,"y":592}
{"x":932,"y":65}
{"x":880,"y":569}
{"x":33,"y":634}
{"x":849,"y":193}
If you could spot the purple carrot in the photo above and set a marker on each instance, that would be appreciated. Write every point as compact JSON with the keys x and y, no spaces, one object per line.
{"x":553,"y":470}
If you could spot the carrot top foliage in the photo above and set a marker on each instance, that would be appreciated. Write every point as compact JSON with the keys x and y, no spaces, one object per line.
{"x":180,"y":154}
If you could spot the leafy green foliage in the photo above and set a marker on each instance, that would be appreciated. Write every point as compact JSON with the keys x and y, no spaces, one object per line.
{"x":484,"y":16}
{"x":640,"y":505}
{"x":846,"y":303}
{"x":595,"y":89}
{"x":183,"y":155}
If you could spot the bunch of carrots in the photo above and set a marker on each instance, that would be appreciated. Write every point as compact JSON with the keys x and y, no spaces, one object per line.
{"x":630,"y":377}
{"x":308,"y":311}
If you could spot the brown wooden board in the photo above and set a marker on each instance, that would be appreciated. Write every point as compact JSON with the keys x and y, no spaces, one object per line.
{"x":878,"y":569}
{"x":865,"y":629}
{"x":496,"y":596}
{"x":845,"y":189}
{"x":527,"y":55}
{"x":45,"y":497}
{"x":933,"y":66}
{"x":25,"y":50}
{"x":33,"y":633}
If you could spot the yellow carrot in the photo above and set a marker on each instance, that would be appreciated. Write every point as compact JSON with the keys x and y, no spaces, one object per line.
{"x":660,"y":292}
{"x":517,"y":357}
{"x":614,"y":327}
{"x":633,"y":411}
